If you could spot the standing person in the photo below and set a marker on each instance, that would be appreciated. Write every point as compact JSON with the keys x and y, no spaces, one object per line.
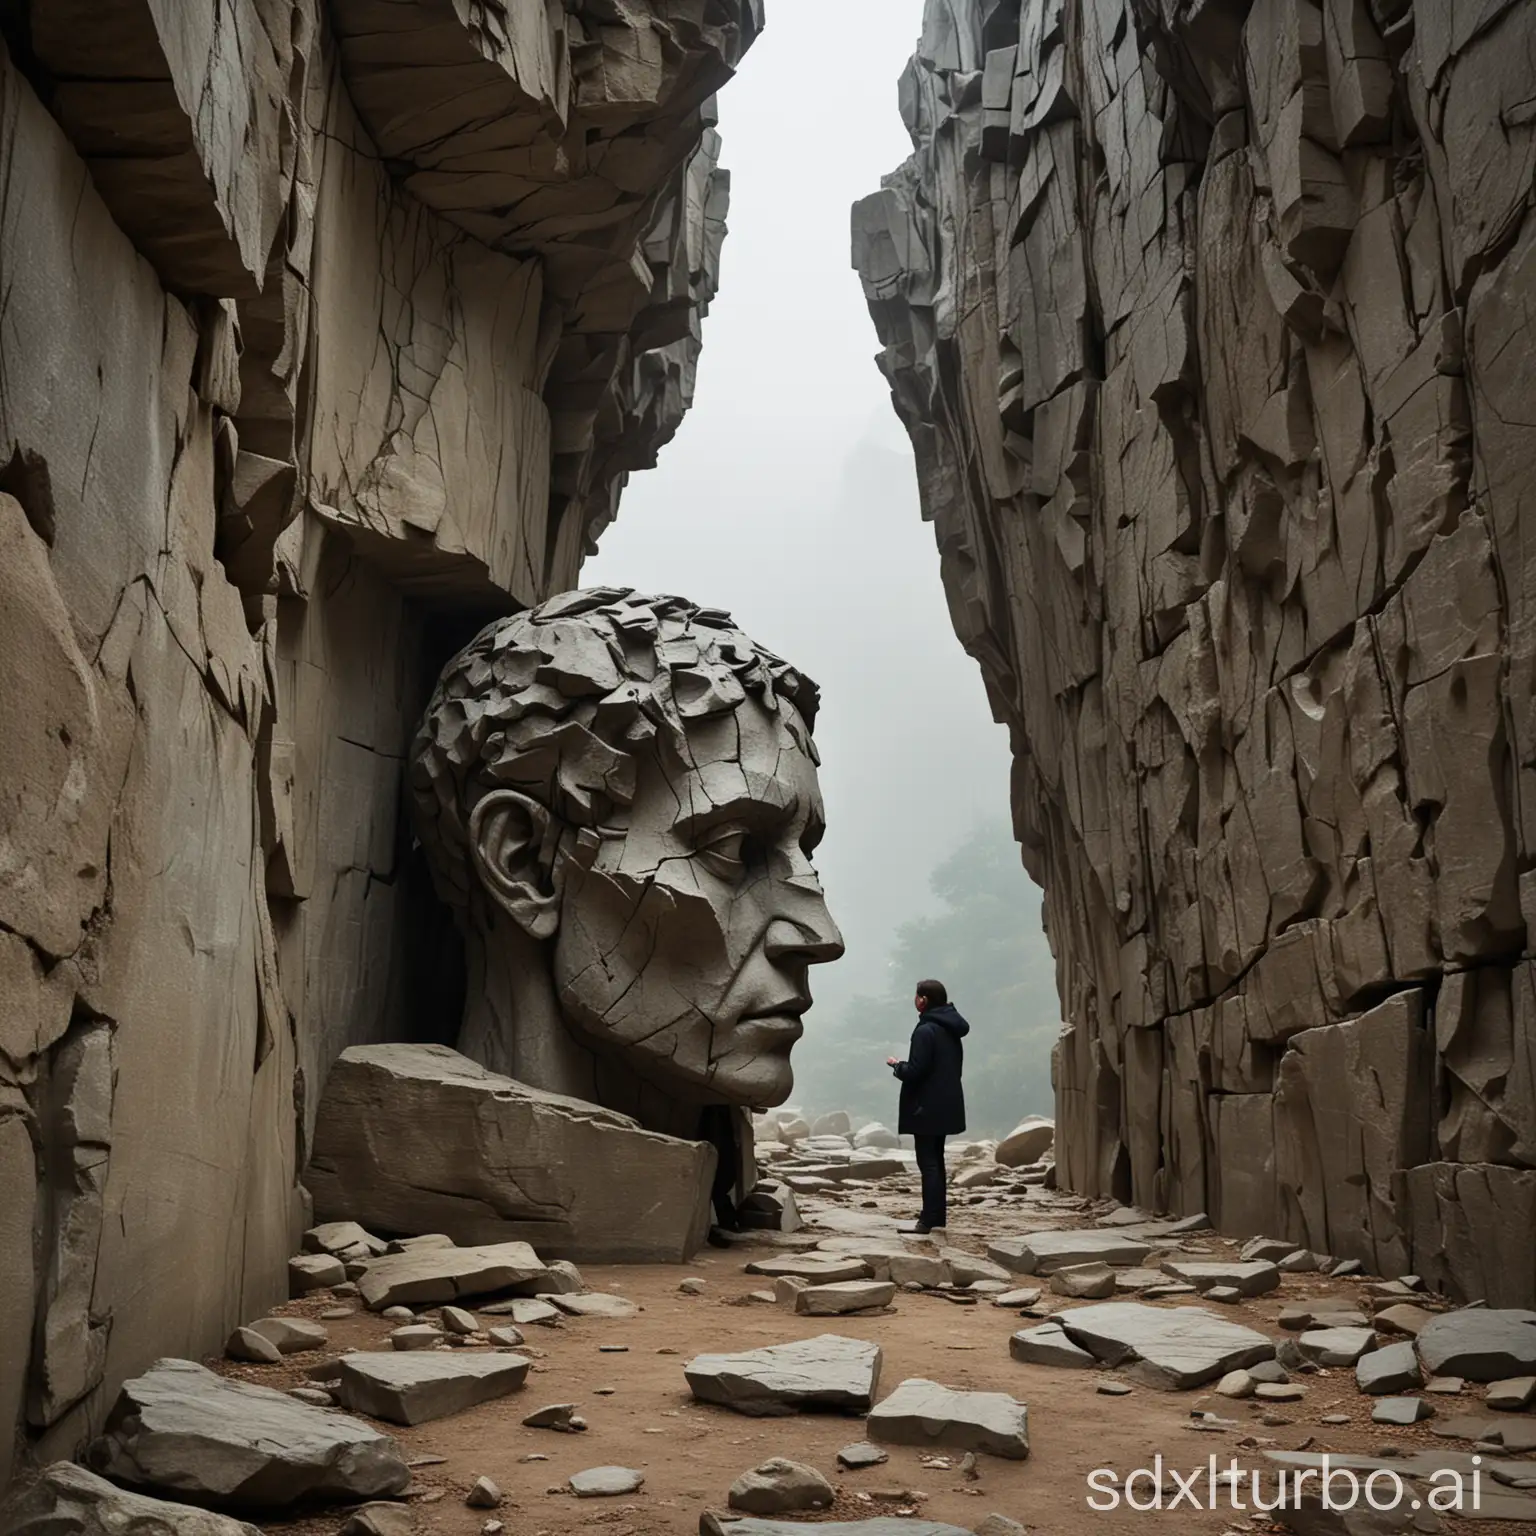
{"x":932,"y":1098}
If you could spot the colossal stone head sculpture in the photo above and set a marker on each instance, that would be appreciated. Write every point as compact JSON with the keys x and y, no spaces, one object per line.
{"x":618,"y":797}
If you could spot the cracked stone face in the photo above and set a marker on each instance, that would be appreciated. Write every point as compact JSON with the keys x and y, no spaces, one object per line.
{"x":619,"y":798}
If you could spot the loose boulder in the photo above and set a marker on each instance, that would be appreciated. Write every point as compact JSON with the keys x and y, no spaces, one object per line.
{"x":1042,"y":1253}
{"x":1480,"y":1344}
{"x":181,"y":1429}
{"x":829,"y":1372}
{"x":430,"y":1276}
{"x":69,"y":1500}
{"x":1169,"y":1348}
{"x":1027,"y":1142}
{"x":1255,"y":1277}
{"x":413,"y":1388}
{"x":780,"y":1487}
{"x":1049,"y":1345}
{"x":421,"y":1139}
{"x":924,"y":1413}
{"x":844,"y":1297}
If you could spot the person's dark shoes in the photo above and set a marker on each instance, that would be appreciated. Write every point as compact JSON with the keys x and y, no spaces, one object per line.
{"x":916,"y":1228}
{"x":718,"y":1239}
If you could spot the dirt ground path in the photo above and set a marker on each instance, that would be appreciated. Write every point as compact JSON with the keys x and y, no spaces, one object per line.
{"x":642,"y":1415}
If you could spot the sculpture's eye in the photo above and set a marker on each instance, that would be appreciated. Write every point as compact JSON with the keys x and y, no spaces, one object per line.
{"x":725,"y":852}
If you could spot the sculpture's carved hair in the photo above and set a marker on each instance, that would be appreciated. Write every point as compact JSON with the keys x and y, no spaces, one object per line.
{"x":553,"y":701}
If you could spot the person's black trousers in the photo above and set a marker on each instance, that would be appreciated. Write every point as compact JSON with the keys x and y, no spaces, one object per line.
{"x":930,"y":1164}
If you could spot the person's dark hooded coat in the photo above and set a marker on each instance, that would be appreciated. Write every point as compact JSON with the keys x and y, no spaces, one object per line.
{"x":932,"y":1098}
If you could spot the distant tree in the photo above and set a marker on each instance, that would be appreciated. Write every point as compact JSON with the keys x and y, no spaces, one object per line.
{"x":986,"y":944}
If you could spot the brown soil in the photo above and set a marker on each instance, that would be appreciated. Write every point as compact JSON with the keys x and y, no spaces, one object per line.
{"x":642,"y":1416}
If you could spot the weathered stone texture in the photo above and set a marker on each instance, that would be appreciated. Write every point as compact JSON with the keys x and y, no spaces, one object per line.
{"x":329,"y":332}
{"x":1209,"y":324}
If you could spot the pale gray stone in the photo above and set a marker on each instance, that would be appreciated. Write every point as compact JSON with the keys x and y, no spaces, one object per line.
{"x":1027,"y":1143}
{"x":1042,"y":1253}
{"x":862,"y":1454}
{"x":417,"y":1387}
{"x":923,"y":1413}
{"x":247,"y":1344}
{"x":606,"y":1482}
{"x":828,"y":1372}
{"x":1169,"y":1348}
{"x":1480,"y":1344}
{"x":1335,"y":1346}
{"x":595,"y":1304}
{"x":1393,"y":1369}
{"x":67,"y":1500}
{"x":1400,"y":1410}
{"x":780,"y":1487}
{"x":180,"y":1429}
{"x":1047,"y":1344}
{"x":431,"y":1275}
{"x":1251,"y":1278}
{"x":1511,"y":1396}
{"x":1085,"y":1282}
{"x":314,"y":1272}
{"x":291,"y":1335}
{"x":843,"y":1297}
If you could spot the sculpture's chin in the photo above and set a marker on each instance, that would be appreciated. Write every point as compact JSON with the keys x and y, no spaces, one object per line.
{"x":757,"y":1082}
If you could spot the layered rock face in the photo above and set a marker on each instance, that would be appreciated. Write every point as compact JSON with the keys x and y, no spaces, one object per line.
{"x":329,"y":332}
{"x":1209,"y":323}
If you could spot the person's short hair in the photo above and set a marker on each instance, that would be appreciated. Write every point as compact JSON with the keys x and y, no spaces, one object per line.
{"x":933,"y":991}
{"x":553,"y":702}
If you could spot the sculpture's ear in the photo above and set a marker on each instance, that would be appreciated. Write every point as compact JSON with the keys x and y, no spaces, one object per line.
{"x":509,"y":837}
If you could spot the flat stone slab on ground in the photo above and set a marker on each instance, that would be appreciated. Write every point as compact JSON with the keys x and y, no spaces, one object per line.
{"x":1255,"y":1278}
{"x":1480,"y":1344}
{"x":844,"y":1297}
{"x":863,"y":1454}
{"x":1400,"y":1410}
{"x":430,"y":1276}
{"x":292,"y":1335}
{"x":594,"y":1304}
{"x":525,"y":1311}
{"x":1041,"y":1253}
{"x":820,"y":1268}
{"x":414,"y":1388}
{"x":1335,"y":1346}
{"x":606,"y":1482}
{"x":1511,"y":1396}
{"x":1084,"y":1282}
{"x":1393,"y":1369}
{"x":68,"y":1500}
{"x":1166,"y":1347}
{"x":924,"y":1413}
{"x":829,"y":1372}
{"x":780,"y":1487}
{"x":181,"y":1429}
{"x":1514,"y":1434}
{"x":1049,"y":1345}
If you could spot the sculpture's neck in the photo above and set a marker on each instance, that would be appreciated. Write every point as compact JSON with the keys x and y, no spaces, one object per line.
{"x":513,"y":1025}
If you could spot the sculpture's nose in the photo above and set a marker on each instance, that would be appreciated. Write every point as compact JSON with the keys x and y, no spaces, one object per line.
{"x":809,"y":936}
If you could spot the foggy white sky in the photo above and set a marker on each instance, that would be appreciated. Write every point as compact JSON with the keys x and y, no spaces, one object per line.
{"x":789,"y":498}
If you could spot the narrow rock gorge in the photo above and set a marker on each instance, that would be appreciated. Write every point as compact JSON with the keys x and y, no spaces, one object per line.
{"x":1210,"y":324}
{"x":328,"y":332}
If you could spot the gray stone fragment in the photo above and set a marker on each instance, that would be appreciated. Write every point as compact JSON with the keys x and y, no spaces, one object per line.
{"x":818,"y":1268}
{"x":1335,"y":1346}
{"x":68,"y":1500}
{"x":1251,"y":1278}
{"x":1511,"y":1396}
{"x":780,"y":1487}
{"x":844,"y":1297}
{"x":862,"y":1454}
{"x":483,"y":1495}
{"x":428,"y":1276}
{"x":457,"y":1320}
{"x":1400,"y":1410}
{"x":1024,"y":1296}
{"x":247,"y":1344}
{"x":1042,"y":1253}
{"x":379,"y":1518}
{"x":291,"y":1335}
{"x":829,"y":1372}
{"x":595,"y":1304}
{"x":179,"y":1428}
{"x":314,"y":1272}
{"x":1000,"y":1525}
{"x":1165,"y":1347}
{"x":1047,"y":1344}
{"x":606,"y":1482}
{"x":414,"y":1388}
{"x":1084,"y":1282}
{"x":1393,"y":1369}
{"x":1480,"y":1344}
{"x":924,"y":1413}
{"x":556,"y":1416}
{"x":416,"y":1336}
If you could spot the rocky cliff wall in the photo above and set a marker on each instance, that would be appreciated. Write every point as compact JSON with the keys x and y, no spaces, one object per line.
{"x":327,"y":331}
{"x":1210,"y":324}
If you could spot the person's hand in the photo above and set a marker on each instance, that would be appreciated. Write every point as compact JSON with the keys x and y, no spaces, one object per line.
{"x":891,"y":1061}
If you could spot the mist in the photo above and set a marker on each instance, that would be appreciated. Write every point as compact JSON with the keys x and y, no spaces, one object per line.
{"x":789,"y":498}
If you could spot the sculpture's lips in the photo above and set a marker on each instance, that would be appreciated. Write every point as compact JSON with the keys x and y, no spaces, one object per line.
{"x":779,"y":1025}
